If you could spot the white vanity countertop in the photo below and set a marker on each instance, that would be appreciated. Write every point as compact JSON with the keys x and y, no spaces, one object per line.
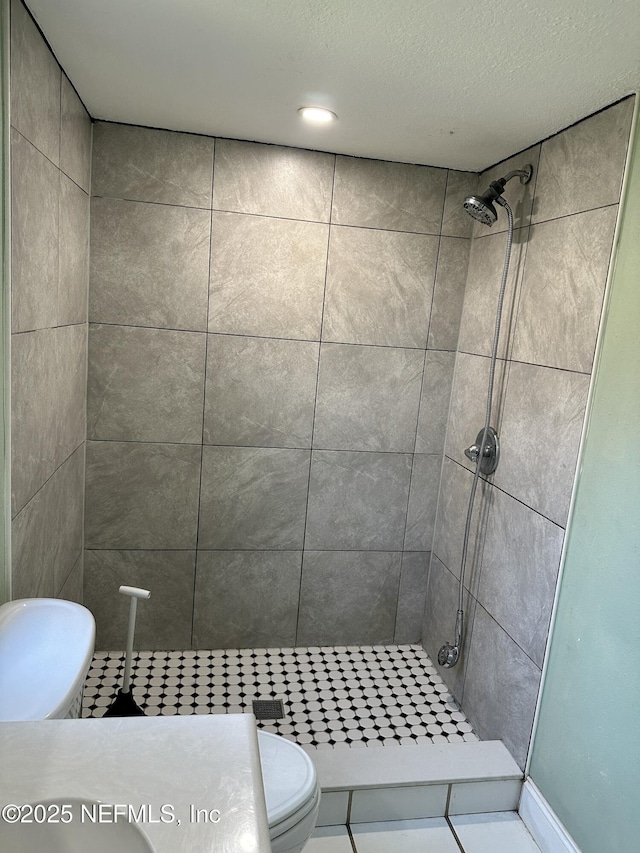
{"x":188,"y":763}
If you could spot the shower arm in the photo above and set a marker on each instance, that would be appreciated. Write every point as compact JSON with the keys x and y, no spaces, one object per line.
{"x":496,"y":188}
{"x":523,"y":174}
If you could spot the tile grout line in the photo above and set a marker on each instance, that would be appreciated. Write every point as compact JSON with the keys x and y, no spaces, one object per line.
{"x":454,"y":834}
{"x":351,"y":838}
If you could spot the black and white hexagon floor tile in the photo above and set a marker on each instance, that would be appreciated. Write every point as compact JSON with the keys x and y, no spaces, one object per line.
{"x":332,"y":697}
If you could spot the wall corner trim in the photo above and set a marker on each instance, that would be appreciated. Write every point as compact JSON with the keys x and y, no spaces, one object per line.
{"x":543,"y":823}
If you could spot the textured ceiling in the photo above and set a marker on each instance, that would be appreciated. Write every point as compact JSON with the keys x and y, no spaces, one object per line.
{"x":456,"y":83}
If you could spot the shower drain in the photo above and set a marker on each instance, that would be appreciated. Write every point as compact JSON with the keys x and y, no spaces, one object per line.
{"x":268,"y":709}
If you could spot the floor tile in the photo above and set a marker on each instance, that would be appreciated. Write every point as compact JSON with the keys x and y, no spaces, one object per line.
{"x":405,"y":836}
{"x":333,"y":697}
{"x":498,"y":832}
{"x":329,"y":839}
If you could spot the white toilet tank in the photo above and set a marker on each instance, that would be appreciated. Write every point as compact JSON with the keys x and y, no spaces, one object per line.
{"x":46,"y":646}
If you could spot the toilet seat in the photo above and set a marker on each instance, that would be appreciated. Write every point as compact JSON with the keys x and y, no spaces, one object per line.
{"x":289,"y":777}
{"x":292,"y":793}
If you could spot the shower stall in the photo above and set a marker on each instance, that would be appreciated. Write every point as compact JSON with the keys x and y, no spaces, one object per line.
{"x":288,"y":354}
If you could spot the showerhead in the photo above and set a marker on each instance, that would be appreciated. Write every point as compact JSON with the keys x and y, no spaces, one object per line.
{"x":481,"y":206}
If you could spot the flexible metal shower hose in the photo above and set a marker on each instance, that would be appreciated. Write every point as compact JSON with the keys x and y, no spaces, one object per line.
{"x":492,"y":372}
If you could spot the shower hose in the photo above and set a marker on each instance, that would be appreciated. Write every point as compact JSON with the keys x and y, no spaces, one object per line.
{"x":476,"y":475}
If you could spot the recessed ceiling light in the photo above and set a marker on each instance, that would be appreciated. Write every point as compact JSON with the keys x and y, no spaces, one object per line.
{"x":317,"y":115}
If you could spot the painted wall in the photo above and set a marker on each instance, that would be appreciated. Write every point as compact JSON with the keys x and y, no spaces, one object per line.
{"x":565,"y":219}
{"x":272,"y":341}
{"x":585,"y":756}
{"x":50,"y":172}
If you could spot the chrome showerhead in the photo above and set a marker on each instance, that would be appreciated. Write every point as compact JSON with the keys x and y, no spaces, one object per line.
{"x":481,"y":206}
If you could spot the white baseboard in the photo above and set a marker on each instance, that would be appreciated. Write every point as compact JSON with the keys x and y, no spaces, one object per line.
{"x":542,"y":822}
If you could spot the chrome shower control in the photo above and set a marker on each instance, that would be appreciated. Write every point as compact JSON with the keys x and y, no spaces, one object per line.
{"x":448,"y":655}
{"x":490,"y":453}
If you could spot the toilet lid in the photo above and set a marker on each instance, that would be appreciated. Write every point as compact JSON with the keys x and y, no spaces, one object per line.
{"x":288,"y":775}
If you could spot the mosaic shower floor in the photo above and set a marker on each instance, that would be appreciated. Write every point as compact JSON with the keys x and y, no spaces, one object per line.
{"x":333,"y":697}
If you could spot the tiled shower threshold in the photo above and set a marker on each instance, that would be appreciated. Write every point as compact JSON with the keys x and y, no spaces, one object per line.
{"x":333,"y":697}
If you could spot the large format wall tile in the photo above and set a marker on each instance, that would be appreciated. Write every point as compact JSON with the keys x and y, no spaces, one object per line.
{"x":501,"y":687}
{"x":75,"y":137}
{"x":33,"y":413}
{"x":520,"y":564}
{"x":141,"y":495}
{"x":581,"y":167}
{"x":394,"y":196}
{"x":367,"y":398}
{"x":145,"y":384}
{"x":357,"y":500}
{"x":551,"y":318}
{"x":423,"y":498}
{"x":142,"y":255}
{"x":143,"y":164}
{"x":468,"y":410}
{"x":267,"y":276}
{"x":73,"y":254}
{"x":260,"y":392}
{"x":253,"y":498}
{"x":412,"y":597}
{"x":225,"y":616}
{"x":379,"y":287}
{"x":453,"y":502}
{"x":35,"y":85}
{"x":48,"y":411}
{"x":486,"y":264}
{"x":266,"y":297}
{"x":47,"y":532}
{"x":348,"y":597}
{"x":270,"y":180}
{"x":456,"y":222}
{"x":34,"y":237}
{"x":164,"y":620}
{"x":543,"y":416}
{"x":434,"y":401}
{"x":448,"y":296}
{"x":71,"y":388}
{"x":563,"y":289}
{"x":50,"y":168}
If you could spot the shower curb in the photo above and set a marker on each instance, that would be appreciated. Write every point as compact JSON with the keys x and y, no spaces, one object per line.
{"x":415,"y":781}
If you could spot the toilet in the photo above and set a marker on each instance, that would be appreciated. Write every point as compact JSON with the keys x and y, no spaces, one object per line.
{"x":291,"y":792}
{"x":46,"y":647}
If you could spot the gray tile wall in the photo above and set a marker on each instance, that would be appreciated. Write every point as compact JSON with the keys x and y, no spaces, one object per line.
{"x":50,"y":174}
{"x":271,"y":351}
{"x":563,"y":242}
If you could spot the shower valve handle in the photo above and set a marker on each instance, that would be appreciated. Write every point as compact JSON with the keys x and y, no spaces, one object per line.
{"x":488,"y":455}
{"x":472,"y":452}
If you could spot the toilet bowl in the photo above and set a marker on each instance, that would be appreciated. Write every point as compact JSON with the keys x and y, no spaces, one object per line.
{"x":291,"y":792}
{"x":46,"y":646}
